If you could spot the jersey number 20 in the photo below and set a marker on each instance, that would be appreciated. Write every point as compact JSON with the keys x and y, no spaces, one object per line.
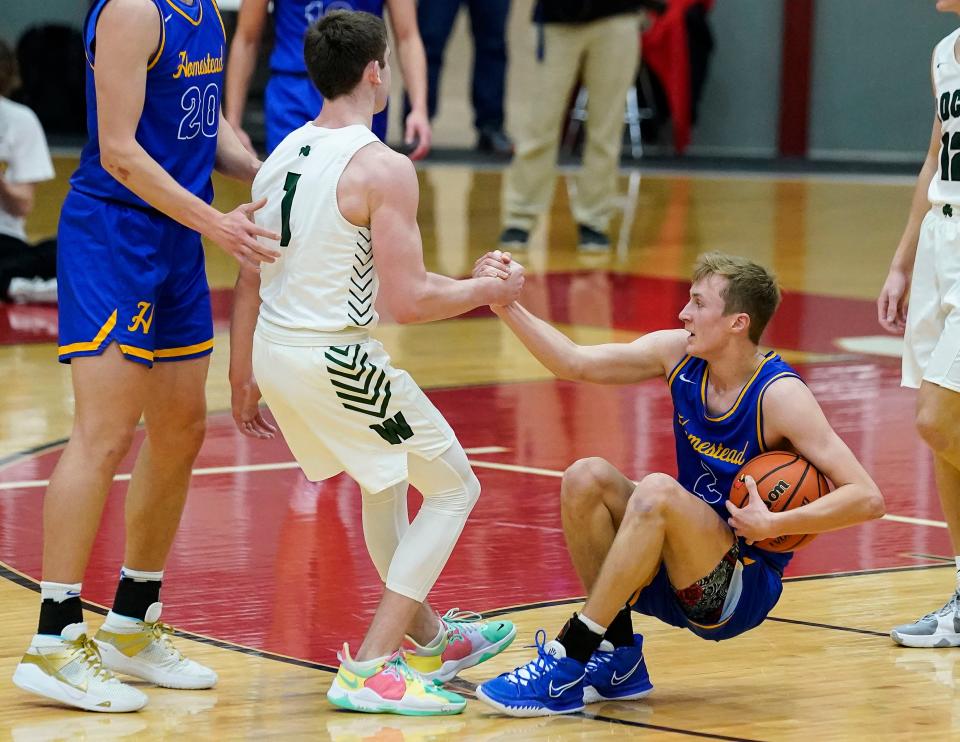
{"x":202,"y":111}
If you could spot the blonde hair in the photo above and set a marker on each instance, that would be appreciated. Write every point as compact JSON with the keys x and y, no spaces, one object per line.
{"x":750,"y":288}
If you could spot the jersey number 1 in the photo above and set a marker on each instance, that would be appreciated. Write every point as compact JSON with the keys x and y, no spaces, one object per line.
{"x":950,"y":165}
{"x":290,"y":190}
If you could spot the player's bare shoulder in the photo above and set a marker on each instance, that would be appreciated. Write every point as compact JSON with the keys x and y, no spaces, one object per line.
{"x":374,"y":174}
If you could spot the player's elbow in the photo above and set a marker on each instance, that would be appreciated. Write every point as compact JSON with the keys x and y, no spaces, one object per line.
{"x":405,"y":312}
{"x":115,"y":158}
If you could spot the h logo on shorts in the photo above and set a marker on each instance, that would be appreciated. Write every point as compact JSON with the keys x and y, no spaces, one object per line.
{"x":142,"y":320}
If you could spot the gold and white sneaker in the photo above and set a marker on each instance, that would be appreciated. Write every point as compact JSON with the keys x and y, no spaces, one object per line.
{"x":68,"y":668}
{"x":145,"y":650}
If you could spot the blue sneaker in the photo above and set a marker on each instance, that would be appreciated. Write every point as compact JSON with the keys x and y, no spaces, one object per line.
{"x":617,"y":674}
{"x":550,"y":684}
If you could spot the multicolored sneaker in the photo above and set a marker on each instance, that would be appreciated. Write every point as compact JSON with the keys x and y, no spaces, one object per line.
{"x":550,"y":684}
{"x":145,"y":650}
{"x":68,"y":669}
{"x":470,"y":641}
{"x":938,"y":629}
{"x":389,"y":688}
{"x":617,"y":674}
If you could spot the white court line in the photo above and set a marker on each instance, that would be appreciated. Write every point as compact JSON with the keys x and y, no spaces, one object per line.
{"x":915,"y":521}
{"x":526,"y":525}
{"x":516,"y":468}
{"x":240,"y":469}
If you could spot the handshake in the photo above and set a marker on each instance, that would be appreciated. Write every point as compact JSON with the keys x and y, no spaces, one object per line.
{"x":501,"y":265}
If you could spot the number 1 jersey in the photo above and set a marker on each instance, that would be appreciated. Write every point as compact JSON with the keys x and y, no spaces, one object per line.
{"x":945,"y":186}
{"x":181,"y":107}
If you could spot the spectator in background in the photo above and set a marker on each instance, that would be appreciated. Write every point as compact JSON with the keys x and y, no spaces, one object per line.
{"x":290,"y":100}
{"x":488,"y":23}
{"x":26,"y":273}
{"x":598,"y":42}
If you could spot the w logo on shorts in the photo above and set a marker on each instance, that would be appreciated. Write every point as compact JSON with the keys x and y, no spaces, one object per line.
{"x":363,"y":387}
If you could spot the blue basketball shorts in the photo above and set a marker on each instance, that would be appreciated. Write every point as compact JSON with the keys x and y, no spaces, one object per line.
{"x":130,"y":276}
{"x":290,"y":101}
{"x":760,"y":591}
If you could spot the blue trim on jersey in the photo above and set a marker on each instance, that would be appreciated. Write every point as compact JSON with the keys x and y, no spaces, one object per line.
{"x":181,"y":109}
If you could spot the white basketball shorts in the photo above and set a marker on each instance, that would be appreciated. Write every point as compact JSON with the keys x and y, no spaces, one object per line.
{"x":931,"y":349}
{"x":347,"y":409}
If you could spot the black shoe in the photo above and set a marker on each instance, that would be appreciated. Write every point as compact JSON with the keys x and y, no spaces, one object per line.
{"x":514,"y":238}
{"x":495,"y":142}
{"x":590,"y":240}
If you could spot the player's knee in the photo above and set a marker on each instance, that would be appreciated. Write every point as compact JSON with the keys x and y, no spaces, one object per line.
{"x":471,"y":491}
{"x":584,"y":481}
{"x":936,"y":431}
{"x":182,"y":437}
{"x":104,"y":445}
{"x":456,"y":501}
{"x":651,"y":499}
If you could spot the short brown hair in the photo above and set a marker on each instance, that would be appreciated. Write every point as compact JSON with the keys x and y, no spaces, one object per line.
{"x":339,"y":46}
{"x":9,"y":71}
{"x":750,"y":288}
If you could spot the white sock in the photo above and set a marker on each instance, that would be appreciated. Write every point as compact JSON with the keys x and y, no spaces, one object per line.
{"x":140,"y":576}
{"x":956,"y":560}
{"x":433,"y":643}
{"x":60,"y":591}
{"x":592,"y":625}
{"x":368,"y":665}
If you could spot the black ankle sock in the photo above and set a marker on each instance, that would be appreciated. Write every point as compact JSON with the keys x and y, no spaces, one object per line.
{"x":578,"y":640}
{"x":620,"y":631}
{"x":135,"y":596}
{"x":55,"y":617}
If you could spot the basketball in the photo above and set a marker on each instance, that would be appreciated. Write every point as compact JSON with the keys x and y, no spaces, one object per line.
{"x":785,"y":481}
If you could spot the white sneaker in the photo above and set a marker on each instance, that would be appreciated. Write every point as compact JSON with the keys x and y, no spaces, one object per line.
{"x":32,"y":290}
{"x":145,"y":650}
{"x":68,"y":669}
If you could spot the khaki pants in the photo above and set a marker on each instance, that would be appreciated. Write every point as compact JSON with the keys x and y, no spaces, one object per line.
{"x":605,"y":54}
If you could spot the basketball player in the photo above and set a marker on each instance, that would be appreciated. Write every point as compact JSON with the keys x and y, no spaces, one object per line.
{"x":132,"y":292}
{"x":346,"y":207}
{"x":676,"y":548}
{"x":290,"y":99}
{"x":925,"y":273}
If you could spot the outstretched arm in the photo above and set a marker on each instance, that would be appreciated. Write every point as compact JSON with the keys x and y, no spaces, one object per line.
{"x":791,"y":412}
{"x":610,"y":363}
{"x":408,"y":290}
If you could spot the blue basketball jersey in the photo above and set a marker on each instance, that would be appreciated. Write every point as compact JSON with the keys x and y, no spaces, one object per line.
{"x":291,"y":18}
{"x":181,"y":108}
{"x":711,"y":450}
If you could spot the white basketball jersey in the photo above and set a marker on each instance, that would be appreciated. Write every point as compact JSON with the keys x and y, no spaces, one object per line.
{"x":325,"y":280}
{"x":945,"y":186}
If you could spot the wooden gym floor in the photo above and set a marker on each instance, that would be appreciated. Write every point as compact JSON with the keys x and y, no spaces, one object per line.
{"x":270,"y":575}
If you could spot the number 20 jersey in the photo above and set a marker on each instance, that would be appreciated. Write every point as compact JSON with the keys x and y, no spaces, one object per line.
{"x":945,"y":185}
{"x":181,"y":108}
